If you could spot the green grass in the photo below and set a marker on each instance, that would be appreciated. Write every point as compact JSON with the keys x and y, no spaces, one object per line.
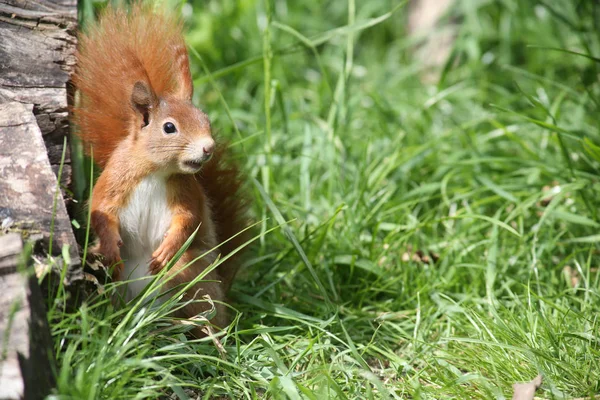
{"x":355,"y":162}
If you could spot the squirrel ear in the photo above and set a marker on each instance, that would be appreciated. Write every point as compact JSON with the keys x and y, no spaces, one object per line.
{"x":185,"y":85}
{"x":143,"y":100}
{"x":185,"y":89}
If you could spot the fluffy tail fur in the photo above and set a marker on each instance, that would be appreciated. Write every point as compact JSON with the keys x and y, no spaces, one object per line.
{"x":223,"y":185}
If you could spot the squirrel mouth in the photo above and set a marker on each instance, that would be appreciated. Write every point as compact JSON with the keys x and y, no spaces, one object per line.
{"x":193,"y":164}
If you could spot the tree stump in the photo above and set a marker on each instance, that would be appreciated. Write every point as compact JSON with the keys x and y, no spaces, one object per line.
{"x":37,"y":55}
{"x":37,"y":46}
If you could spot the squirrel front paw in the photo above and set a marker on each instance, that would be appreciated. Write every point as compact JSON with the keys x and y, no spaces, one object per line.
{"x":110,"y":252}
{"x":167,"y":249}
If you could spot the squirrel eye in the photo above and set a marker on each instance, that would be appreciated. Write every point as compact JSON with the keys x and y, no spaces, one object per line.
{"x":169,"y":128}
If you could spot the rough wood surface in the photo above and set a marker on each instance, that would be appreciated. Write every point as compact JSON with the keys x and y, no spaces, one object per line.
{"x":37,"y":54}
{"x":26,"y":355}
{"x":37,"y":45}
{"x":28,"y":186}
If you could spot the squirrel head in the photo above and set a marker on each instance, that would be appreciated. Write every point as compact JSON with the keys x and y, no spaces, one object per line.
{"x":174,"y":134}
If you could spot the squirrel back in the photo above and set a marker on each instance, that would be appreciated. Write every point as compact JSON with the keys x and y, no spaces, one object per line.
{"x":123,"y":48}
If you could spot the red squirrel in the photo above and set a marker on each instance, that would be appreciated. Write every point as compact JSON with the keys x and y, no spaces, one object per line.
{"x":162,"y":176}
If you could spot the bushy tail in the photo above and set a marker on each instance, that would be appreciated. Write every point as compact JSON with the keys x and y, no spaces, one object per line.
{"x":223,"y":183}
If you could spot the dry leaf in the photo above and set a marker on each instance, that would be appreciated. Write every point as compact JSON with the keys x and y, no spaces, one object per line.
{"x":526,"y":391}
{"x":91,"y":278}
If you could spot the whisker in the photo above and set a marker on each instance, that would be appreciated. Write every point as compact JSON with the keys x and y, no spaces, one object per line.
{"x":167,"y":147}
{"x":170,"y":145}
{"x":162,"y":151}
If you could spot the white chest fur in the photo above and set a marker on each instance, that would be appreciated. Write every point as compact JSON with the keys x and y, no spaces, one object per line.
{"x":144,"y":221}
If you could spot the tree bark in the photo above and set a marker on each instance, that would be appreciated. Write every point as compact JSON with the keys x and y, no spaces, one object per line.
{"x":37,"y":47}
{"x":37,"y":55}
{"x":26,"y":356}
{"x":28,"y":201}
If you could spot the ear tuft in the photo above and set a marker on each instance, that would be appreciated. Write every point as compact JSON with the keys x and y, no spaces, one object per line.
{"x":143,"y":100}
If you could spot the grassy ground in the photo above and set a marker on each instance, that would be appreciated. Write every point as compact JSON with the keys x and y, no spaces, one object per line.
{"x":491,"y":174}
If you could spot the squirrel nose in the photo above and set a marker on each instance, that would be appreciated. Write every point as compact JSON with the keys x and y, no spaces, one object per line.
{"x":208,"y":148}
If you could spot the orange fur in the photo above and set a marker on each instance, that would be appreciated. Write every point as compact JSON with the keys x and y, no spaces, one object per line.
{"x":134,"y":78}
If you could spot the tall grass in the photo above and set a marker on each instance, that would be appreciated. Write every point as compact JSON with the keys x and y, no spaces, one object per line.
{"x":431,"y":240}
